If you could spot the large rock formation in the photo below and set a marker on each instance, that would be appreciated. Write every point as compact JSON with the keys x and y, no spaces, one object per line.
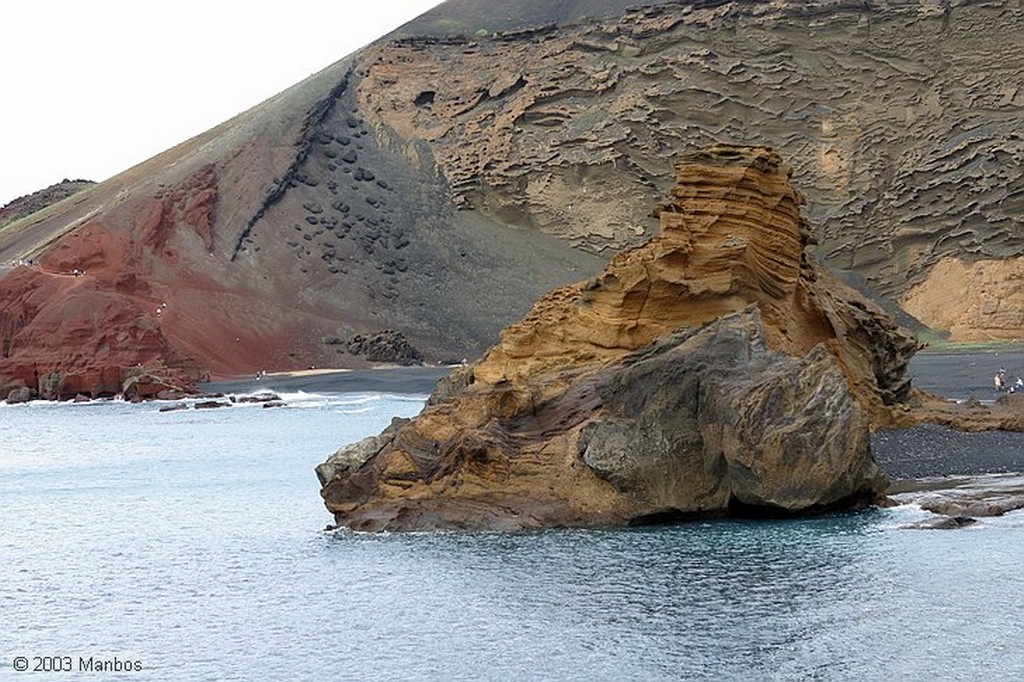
{"x":437,"y":184}
{"x":716,"y":369}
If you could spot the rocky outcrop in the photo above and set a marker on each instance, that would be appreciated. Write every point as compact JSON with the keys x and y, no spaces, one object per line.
{"x":37,"y":201}
{"x":716,"y":369}
{"x":143,"y":385}
{"x":388,"y":346}
{"x":967,"y":497}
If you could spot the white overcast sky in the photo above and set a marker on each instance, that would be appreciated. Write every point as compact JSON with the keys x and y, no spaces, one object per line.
{"x":89,"y":88}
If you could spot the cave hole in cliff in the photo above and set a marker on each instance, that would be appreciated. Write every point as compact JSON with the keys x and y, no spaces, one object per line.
{"x":668,"y":517}
{"x":744,"y":510}
{"x":424,"y":98}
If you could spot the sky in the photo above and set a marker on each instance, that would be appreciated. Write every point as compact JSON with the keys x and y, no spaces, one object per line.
{"x":90,"y":88}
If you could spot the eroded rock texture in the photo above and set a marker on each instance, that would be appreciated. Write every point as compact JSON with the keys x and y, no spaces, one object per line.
{"x":715,"y":369}
{"x":901,"y":120}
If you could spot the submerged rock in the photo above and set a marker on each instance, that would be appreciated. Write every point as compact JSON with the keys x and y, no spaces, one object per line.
{"x":944,"y":523}
{"x":264,"y":397}
{"x":715,"y":370}
{"x":210,"y":405}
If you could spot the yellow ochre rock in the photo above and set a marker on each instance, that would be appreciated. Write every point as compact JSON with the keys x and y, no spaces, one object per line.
{"x":716,"y":369}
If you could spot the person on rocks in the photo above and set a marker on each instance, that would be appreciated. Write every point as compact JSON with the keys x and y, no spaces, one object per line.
{"x":998,"y":381}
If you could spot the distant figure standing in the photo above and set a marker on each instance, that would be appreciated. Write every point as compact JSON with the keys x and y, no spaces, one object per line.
{"x":998,"y":381}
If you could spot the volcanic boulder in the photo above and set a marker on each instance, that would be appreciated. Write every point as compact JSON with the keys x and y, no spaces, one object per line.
{"x":716,"y":369}
{"x":387,"y":346}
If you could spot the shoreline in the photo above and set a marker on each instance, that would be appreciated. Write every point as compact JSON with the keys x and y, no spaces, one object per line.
{"x":953,"y":373}
{"x":416,"y":380}
{"x":959,"y":374}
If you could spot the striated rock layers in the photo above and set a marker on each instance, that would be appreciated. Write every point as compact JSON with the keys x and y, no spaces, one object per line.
{"x":901,"y":120}
{"x":715,"y":369}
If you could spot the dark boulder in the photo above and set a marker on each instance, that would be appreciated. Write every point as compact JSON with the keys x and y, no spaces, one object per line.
{"x":388,"y":346}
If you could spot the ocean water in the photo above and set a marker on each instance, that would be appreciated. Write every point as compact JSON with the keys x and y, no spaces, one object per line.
{"x":190,"y":546}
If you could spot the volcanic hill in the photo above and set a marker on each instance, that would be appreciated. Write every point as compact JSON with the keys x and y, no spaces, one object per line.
{"x":436,"y":182}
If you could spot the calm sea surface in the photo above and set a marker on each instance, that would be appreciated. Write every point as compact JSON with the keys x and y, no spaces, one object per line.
{"x":190,"y":545}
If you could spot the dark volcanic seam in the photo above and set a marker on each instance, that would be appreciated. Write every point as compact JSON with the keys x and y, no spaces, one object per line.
{"x":310,"y":128}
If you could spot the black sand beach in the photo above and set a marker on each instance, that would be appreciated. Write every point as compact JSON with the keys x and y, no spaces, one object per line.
{"x":955,"y":374}
{"x":398,"y":380}
{"x":932,"y":450}
{"x":960,"y":374}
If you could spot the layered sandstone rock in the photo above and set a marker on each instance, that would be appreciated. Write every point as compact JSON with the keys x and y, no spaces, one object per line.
{"x":715,"y":369}
{"x":989,"y":299}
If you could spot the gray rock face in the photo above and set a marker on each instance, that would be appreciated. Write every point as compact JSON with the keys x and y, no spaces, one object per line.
{"x":19,"y":395}
{"x":711,"y":420}
{"x":350,"y":457}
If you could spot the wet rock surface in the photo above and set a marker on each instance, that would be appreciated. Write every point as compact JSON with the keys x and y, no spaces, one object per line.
{"x":944,"y":523}
{"x":966,"y":497}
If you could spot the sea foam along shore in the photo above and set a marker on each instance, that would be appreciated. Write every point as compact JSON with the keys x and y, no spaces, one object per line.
{"x":398,"y":380}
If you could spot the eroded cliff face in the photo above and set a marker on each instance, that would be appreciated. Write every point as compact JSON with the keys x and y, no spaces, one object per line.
{"x":981,"y":300}
{"x":901,"y":121}
{"x":714,"y":369}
